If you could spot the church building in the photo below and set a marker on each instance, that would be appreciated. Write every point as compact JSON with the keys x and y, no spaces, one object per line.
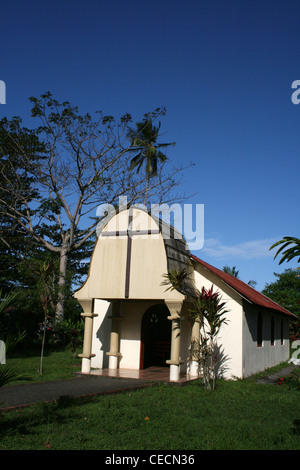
{"x":132,"y":322}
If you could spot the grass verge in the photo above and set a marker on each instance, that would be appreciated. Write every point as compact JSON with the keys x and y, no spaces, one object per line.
{"x":57,"y":365}
{"x":238,"y":415}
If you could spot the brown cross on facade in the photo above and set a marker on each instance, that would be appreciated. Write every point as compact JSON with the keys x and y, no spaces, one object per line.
{"x":129,"y":233}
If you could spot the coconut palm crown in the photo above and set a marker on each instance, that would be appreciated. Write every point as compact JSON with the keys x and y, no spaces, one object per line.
{"x":144,"y":142}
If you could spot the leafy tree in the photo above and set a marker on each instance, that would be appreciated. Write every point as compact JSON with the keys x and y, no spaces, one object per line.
{"x":83,"y":163}
{"x":27,"y":313}
{"x":291,"y":252}
{"x":286,"y":292}
{"x":148,"y":150}
{"x":17,"y":191}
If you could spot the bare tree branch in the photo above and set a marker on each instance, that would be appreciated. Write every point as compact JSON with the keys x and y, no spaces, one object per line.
{"x":85,"y":163}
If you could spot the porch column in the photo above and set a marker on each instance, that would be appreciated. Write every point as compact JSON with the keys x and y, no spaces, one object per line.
{"x":88,"y":334}
{"x":175,"y":309}
{"x":114,"y":353}
{"x":195,"y":336}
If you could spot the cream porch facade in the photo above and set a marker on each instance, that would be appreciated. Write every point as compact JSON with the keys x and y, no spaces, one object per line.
{"x":123,"y":297}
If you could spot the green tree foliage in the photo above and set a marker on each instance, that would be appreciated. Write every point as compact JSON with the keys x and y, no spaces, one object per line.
{"x":286,"y":292}
{"x":17,"y":192}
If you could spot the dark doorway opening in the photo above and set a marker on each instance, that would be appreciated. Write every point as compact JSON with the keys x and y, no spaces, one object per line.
{"x":155,"y":337}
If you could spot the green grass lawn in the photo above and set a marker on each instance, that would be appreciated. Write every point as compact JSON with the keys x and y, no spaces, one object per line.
{"x":57,"y":364}
{"x":239,"y":414}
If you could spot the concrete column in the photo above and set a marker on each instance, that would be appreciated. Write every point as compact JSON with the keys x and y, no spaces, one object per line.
{"x":88,"y":335}
{"x":114,"y":352}
{"x":194,"y":363}
{"x":175,"y":309}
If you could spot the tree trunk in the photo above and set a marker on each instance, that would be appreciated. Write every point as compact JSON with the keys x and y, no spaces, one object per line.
{"x":59,"y":314}
{"x":146,"y":192}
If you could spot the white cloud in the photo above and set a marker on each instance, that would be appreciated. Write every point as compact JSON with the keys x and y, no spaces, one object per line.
{"x":252,"y":249}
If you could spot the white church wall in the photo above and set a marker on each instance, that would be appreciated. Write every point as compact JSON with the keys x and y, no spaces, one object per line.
{"x":258,"y":358}
{"x":130,"y":333}
{"x":230,"y":338}
{"x":101,"y":333}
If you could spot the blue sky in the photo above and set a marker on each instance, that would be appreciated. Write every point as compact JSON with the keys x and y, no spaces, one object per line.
{"x":224,"y":71}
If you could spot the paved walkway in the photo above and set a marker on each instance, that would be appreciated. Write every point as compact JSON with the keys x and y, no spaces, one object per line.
{"x":12,"y":396}
{"x":99,"y":382}
{"x":273,"y":379}
{"x":25,"y":394}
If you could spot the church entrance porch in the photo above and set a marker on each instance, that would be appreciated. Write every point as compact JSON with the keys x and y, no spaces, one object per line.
{"x":144,"y":337}
{"x":134,"y":336}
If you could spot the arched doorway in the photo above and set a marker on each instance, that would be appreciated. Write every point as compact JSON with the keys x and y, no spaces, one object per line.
{"x":155,"y":337}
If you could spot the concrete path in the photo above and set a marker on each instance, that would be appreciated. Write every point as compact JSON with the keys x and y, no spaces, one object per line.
{"x":25,"y":394}
{"x":12,"y":396}
{"x":273,"y":379}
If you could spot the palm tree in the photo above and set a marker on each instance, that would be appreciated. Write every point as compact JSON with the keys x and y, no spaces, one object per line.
{"x":233,"y":272}
{"x":144,"y":142}
{"x":291,"y":252}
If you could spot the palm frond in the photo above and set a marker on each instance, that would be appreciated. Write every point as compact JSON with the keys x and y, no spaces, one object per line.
{"x":175,"y":280}
{"x":290,"y":253}
{"x":7,"y":299}
{"x":7,"y":374}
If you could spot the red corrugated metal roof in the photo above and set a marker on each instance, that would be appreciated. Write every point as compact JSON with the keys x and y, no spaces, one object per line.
{"x":244,"y":289}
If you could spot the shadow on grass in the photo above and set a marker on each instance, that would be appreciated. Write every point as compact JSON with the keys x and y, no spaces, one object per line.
{"x":25,"y":421}
{"x":296,"y":427}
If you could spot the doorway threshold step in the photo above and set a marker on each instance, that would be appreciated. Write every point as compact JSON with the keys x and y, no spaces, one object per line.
{"x":160,"y":374}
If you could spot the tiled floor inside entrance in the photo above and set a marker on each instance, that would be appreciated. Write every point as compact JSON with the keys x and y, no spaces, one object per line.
{"x":160,"y":374}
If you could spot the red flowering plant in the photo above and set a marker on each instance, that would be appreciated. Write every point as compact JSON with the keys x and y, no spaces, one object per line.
{"x":209,"y":311}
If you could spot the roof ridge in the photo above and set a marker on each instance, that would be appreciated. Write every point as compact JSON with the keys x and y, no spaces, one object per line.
{"x":245,"y":289}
